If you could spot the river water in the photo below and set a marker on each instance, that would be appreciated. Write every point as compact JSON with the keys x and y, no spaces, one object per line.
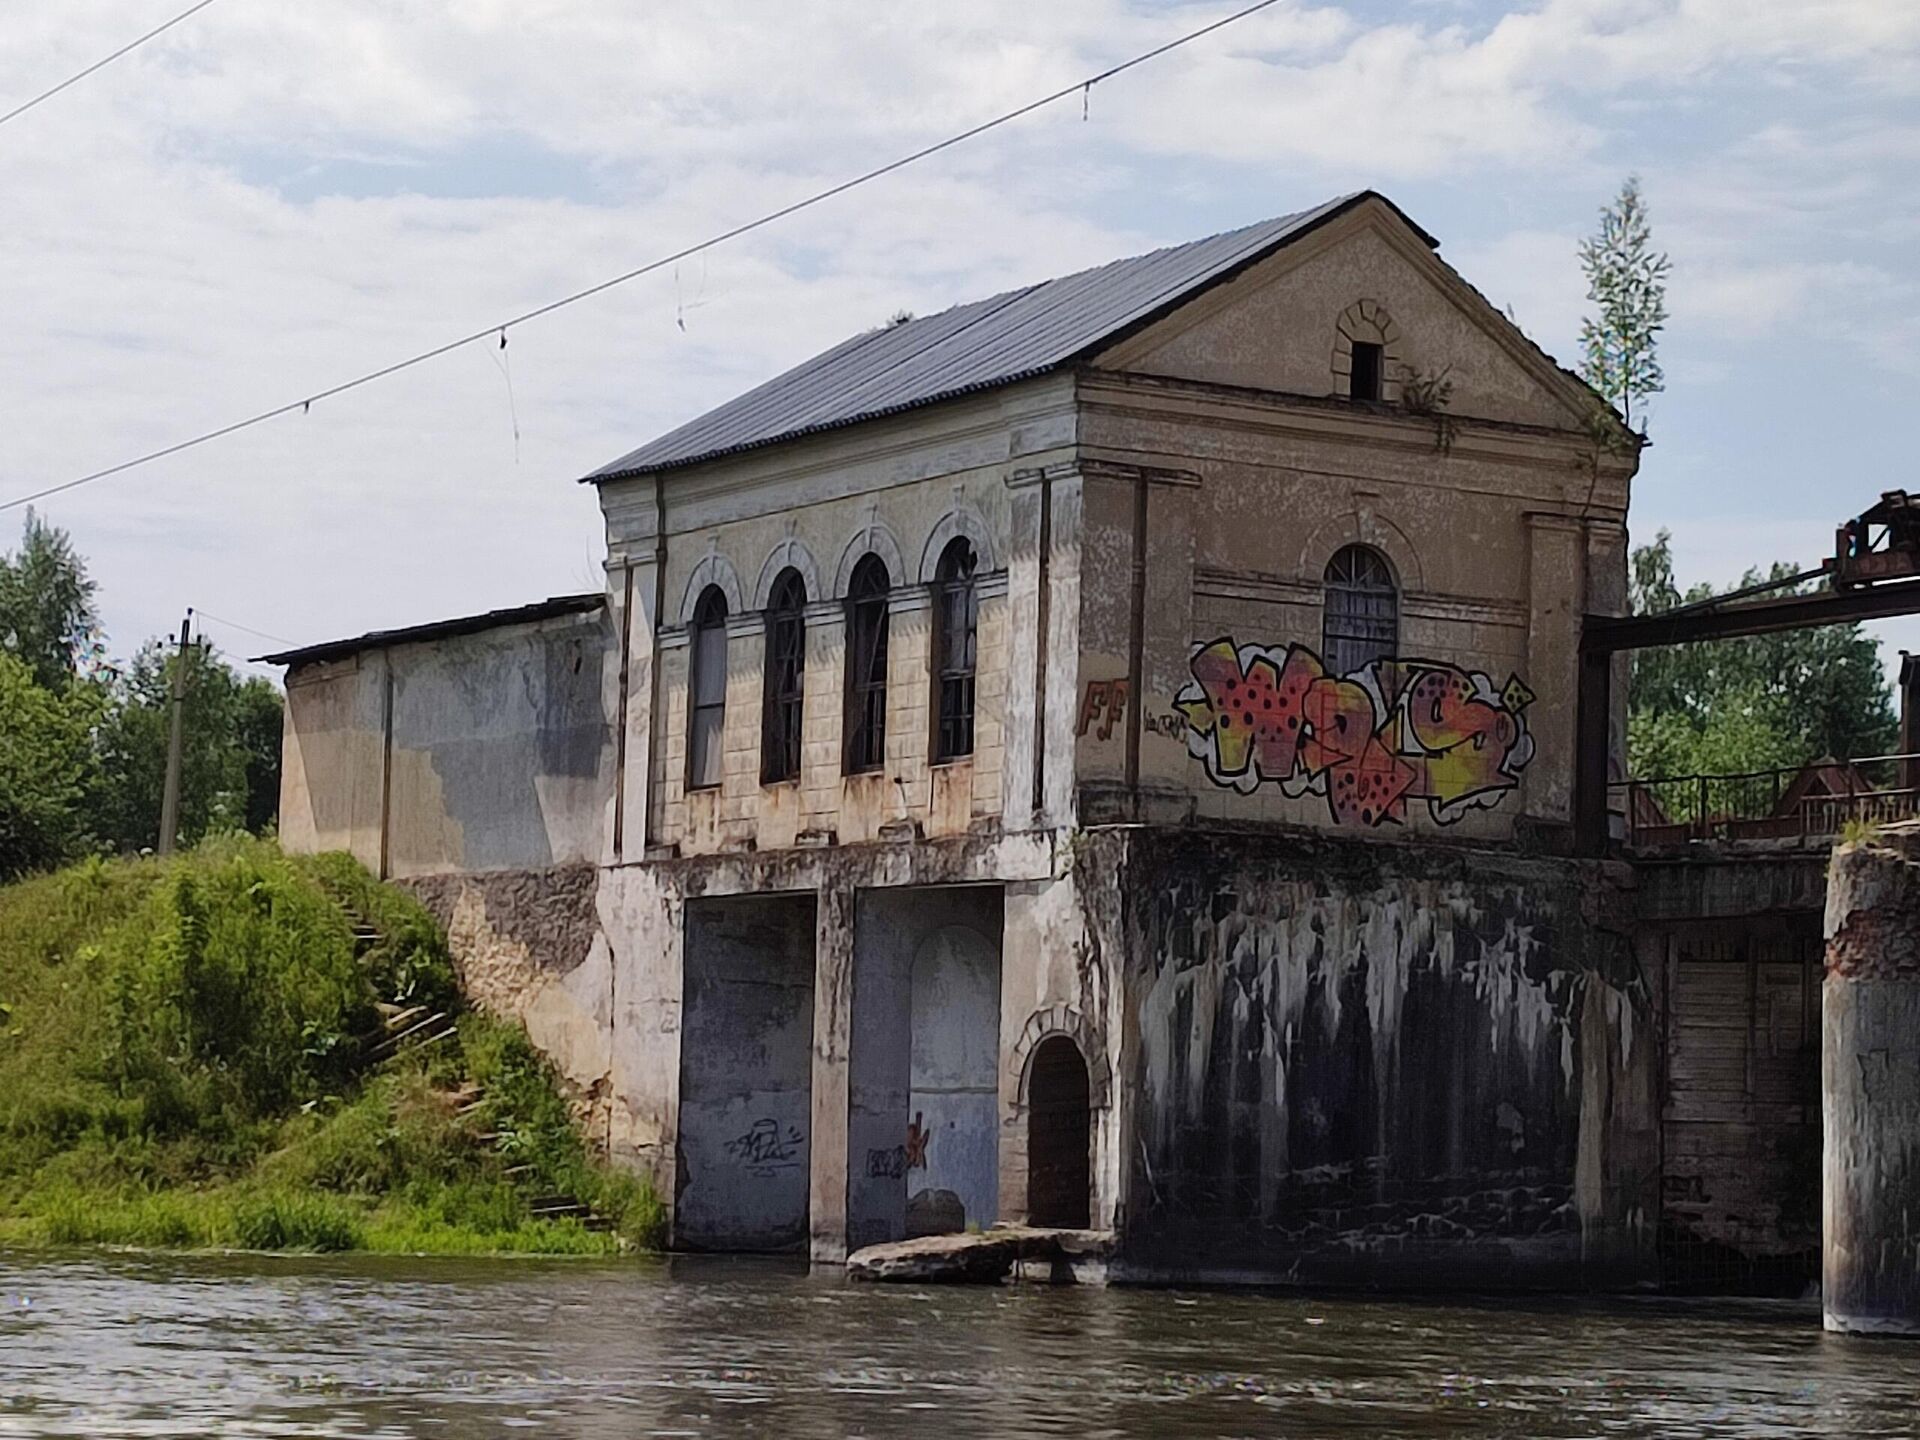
{"x":105,"y":1346}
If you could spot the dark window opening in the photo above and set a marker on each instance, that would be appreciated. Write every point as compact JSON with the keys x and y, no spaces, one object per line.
{"x":1361,"y":620}
{"x":707,"y":690}
{"x":1368,"y":364}
{"x":786,"y":672}
{"x":956,"y":605}
{"x":867,"y":666}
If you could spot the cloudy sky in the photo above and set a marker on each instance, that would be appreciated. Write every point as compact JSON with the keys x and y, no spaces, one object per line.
{"x":280,"y":194}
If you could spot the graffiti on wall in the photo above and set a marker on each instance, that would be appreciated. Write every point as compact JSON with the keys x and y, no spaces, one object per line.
{"x":1104,"y":701}
{"x":765,"y":1147}
{"x":1394,"y":732}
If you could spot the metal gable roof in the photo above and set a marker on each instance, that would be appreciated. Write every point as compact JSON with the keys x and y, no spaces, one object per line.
{"x":971,"y":347}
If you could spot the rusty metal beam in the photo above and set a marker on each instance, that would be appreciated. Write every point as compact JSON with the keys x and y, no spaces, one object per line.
{"x":1603,"y":636}
{"x":1608,"y":634}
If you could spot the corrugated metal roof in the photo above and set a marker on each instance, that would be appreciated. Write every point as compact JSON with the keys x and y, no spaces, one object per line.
{"x":972,"y":347}
{"x":437,"y":629}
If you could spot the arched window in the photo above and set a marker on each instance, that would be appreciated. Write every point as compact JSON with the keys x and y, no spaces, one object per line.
{"x":1361,"y":621}
{"x":786,"y":673}
{"x":707,"y":689}
{"x":956,"y":625}
{"x":867,"y":666}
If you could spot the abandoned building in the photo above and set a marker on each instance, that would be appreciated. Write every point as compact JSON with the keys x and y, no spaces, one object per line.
{"x":1103,"y":756}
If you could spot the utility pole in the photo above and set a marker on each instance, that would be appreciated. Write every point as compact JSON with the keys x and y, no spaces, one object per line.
{"x":170,"y":797}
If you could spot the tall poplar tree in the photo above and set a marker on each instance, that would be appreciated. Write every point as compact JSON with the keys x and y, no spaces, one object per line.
{"x":1627,"y":282}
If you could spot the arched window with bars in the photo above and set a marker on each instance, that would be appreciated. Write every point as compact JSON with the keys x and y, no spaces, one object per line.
{"x":866,"y":712}
{"x":786,"y":671}
{"x":956,"y":607}
{"x":707,"y":690}
{"x":1361,"y":615}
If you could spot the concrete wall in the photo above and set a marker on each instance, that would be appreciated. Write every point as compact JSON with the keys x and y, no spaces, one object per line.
{"x":921,"y":1108}
{"x":745,"y":1074}
{"x":473,"y":752}
{"x":1367,"y":1064}
{"x":954,"y":1077}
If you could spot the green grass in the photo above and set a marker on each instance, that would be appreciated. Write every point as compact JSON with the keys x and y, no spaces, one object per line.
{"x":185,"y":1061}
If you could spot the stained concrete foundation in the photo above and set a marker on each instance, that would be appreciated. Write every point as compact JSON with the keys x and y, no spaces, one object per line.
{"x":745,"y":1074}
{"x":1870,"y":1069}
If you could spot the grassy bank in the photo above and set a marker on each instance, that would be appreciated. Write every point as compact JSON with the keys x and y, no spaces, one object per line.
{"x":190,"y":1055}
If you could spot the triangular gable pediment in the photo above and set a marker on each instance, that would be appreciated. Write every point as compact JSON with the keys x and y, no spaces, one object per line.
{"x":1287,"y":322}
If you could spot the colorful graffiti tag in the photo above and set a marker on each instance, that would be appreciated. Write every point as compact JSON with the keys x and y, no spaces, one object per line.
{"x":1370,"y":742}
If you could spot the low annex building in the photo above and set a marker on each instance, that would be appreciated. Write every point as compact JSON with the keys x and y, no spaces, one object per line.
{"x":1093,"y":756}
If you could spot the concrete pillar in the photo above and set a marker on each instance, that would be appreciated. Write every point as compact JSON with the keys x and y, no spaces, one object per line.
{"x":1870,"y":1074}
{"x":832,"y":1037}
{"x":1555,"y":598}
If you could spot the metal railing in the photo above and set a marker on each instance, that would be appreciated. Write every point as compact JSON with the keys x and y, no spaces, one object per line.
{"x":1806,"y":802}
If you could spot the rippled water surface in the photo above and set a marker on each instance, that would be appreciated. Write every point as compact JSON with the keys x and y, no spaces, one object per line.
{"x":356,"y":1347}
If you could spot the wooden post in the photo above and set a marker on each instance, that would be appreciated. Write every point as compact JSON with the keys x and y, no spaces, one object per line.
{"x":177,"y":704}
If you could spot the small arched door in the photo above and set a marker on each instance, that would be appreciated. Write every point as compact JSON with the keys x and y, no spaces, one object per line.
{"x":1059,"y":1134}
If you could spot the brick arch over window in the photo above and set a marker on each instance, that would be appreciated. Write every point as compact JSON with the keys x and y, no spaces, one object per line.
{"x":713,"y":569}
{"x":1362,"y":527}
{"x":790,"y":553}
{"x":1366,"y":322}
{"x":1067,"y":1021}
{"x":872,"y":538}
{"x":961,"y":521}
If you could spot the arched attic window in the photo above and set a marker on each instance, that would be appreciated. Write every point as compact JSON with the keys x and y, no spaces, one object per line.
{"x":707,"y":690}
{"x":956,"y":604}
{"x":867,"y":665}
{"x":786,"y":670}
{"x":1360,"y":620}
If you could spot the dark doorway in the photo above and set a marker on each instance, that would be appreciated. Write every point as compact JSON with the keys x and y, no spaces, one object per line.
{"x":1059,"y":1127}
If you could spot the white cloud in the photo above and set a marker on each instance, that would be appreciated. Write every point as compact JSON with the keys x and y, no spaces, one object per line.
{"x":157,"y":280}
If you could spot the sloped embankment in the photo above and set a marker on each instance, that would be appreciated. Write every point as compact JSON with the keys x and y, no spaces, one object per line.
{"x":237,"y":1047}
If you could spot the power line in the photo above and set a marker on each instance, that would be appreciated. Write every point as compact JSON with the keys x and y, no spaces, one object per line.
{"x":158,"y":30}
{"x":1079,"y":87}
{"x":236,"y":625}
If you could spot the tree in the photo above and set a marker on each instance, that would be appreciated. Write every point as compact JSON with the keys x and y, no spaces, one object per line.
{"x":230,"y":752}
{"x":46,"y":763}
{"x":1628,"y":282}
{"x":1759,"y":703}
{"x":47,"y":618}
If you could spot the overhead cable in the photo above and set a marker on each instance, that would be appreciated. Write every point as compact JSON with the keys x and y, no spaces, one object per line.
{"x":131,"y":45}
{"x":499,"y":327}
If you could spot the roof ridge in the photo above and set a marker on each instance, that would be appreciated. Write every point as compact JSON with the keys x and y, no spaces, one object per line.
{"x":975,"y":345}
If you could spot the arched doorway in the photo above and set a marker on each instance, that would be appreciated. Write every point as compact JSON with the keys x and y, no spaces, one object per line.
{"x":1059,"y":1131}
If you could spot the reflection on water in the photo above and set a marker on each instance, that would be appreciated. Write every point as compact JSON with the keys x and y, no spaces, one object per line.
{"x":255,"y":1346}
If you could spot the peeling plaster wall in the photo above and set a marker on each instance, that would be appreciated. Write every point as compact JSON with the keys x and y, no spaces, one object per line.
{"x":1356,"y":1063}
{"x":527,"y":945}
{"x":920,"y":1033}
{"x":475,"y":752}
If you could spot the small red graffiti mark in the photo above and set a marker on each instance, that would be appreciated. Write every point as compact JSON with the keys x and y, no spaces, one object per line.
{"x":1105,"y":700}
{"x":916,"y":1146}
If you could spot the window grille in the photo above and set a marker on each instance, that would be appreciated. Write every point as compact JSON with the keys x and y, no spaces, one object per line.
{"x":707,"y":690}
{"x":1361,"y":620}
{"x":786,"y":671}
{"x":956,"y":602}
{"x":867,"y":666}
